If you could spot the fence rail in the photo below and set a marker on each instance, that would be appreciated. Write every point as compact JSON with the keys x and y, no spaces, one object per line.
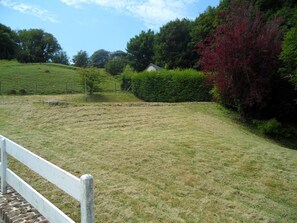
{"x":80,"y":189}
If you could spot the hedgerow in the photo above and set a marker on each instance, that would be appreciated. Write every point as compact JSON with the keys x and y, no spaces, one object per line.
{"x":168,"y":85}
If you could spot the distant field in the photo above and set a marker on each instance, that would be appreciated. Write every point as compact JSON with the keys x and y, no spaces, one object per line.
{"x":156,"y":162}
{"x":44,"y":78}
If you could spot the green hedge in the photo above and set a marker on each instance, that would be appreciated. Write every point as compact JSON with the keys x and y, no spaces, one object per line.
{"x":169,"y":85}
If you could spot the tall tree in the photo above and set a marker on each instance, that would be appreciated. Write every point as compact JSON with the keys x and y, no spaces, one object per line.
{"x":204,"y":26}
{"x":81,"y":59}
{"x":60,"y":57}
{"x":118,"y":53}
{"x":140,"y":50}
{"x":243,"y":52}
{"x":173,"y":45}
{"x":36,"y":45}
{"x":99,"y":58}
{"x":8,"y":47}
{"x":289,"y":55}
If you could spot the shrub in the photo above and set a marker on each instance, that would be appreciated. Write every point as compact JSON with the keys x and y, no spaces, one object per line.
{"x":269,"y":127}
{"x":23,"y":92}
{"x":11,"y":91}
{"x":116,"y":65}
{"x":126,"y":78}
{"x":170,"y":86}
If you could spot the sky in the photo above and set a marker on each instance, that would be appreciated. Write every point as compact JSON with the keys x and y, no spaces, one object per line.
{"x":91,"y":25}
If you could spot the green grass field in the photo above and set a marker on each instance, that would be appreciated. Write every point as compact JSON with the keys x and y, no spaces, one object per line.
{"x":156,"y":162}
{"x":45,"y":78}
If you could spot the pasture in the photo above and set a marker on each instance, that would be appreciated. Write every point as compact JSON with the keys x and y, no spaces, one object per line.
{"x":156,"y":162}
{"x":46,"y":78}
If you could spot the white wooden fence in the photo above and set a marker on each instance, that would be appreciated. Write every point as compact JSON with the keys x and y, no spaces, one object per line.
{"x":81,"y":189}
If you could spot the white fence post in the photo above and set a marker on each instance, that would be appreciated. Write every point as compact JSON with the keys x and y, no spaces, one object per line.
{"x":87,"y":199}
{"x":3,"y":167}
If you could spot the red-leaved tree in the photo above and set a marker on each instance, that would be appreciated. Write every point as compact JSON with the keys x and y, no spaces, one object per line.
{"x":243,"y":54}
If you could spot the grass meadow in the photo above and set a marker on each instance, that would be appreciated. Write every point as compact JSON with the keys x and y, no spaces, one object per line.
{"x":46,"y":78}
{"x":155,"y":162}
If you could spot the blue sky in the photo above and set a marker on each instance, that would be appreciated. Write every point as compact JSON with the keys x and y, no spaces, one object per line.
{"x":91,"y":25}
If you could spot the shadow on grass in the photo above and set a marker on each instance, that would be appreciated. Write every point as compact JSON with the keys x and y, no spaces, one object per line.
{"x":111,"y":97}
{"x":289,"y":142}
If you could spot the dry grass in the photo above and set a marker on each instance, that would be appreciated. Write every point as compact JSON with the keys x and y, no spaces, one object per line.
{"x":152,"y":162}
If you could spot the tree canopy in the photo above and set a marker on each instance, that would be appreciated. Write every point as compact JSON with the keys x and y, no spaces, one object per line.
{"x":99,"y":58}
{"x":140,"y":50}
{"x":244,"y":54}
{"x":8,"y":46}
{"x":173,"y":45}
{"x":81,"y":59}
{"x":36,"y":46}
{"x":289,"y":55}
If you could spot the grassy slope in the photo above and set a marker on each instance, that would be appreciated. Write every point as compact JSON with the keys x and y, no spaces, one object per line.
{"x":38,"y":78}
{"x":45,"y":78}
{"x":187,"y":162}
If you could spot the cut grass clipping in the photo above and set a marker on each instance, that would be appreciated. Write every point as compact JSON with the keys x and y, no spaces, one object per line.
{"x":154,"y":162}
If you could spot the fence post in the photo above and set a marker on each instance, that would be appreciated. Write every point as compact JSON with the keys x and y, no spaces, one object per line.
{"x":0,"y":87}
{"x":3,"y":166}
{"x":87,"y":199}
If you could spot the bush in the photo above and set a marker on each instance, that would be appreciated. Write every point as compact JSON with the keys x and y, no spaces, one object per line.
{"x":116,"y":65}
{"x":11,"y":91}
{"x":126,"y":78}
{"x":170,"y":86}
{"x":269,"y":127}
{"x":23,"y":92}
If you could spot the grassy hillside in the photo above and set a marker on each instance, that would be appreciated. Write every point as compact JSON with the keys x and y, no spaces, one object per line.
{"x":155,"y":162}
{"x":47,"y":78}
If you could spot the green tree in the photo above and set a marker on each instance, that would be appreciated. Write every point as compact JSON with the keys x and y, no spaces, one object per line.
{"x":8,"y":46}
{"x":140,"y":50}
{"x":60,"y":57}
{"x":118,"y":53}
{"x":173,"y":45}
{"x":99,"y":58}
{"x":92,"y":78}
{"x":116,"y":65}
{"x":289,"y":55}
{"x":36,"y":46}
{"x":81,"y":59}
{"x":205,"y":24}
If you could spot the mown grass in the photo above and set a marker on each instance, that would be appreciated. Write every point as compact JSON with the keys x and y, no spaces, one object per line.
{"x":45,"y":78}
{"x":156,"y":162}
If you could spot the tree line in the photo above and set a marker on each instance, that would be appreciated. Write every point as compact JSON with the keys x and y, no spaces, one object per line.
{"x":33,"y":45}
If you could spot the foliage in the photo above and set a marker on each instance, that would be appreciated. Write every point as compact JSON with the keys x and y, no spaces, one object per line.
{"x":36,"y":46}
{"x":81,"y":59}
{"x":289,"y":55}
{"x":170,"y":86}
{"x":116,"y":65}
{"x":204,"y":25}
{"x":270,"y":127}
{"x":173,"y":45}
{"x":11,"y":91}
{"x":92,"y":78}
{"x":118,"y":53}
{"x":8,"y":46}
{"x":126,"y":84}
{"x":99,"y":58}
{"x":243,"y":52}
{"x":140,"y":50}
{"x":61,"y":58}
